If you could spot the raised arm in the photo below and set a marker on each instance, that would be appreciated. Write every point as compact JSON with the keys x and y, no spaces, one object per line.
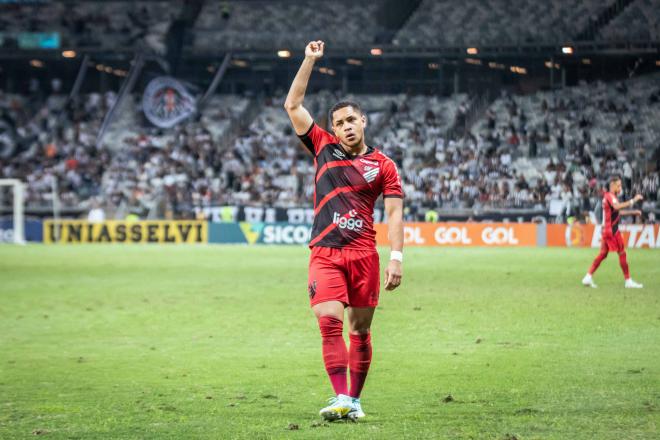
{"x":628,"y":204}
{"x":394,"y":212}
{"x":300,"y":117}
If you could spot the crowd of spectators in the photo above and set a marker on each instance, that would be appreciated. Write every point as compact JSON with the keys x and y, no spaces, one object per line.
{"x":147,"y":172}
{"x":55,"y":139}
{"x":550,"y":150}
{"x":546,"y":151}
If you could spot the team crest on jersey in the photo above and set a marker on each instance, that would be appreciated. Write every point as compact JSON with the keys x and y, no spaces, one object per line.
{"x":339,"y":154}
{"x":370,"y":174}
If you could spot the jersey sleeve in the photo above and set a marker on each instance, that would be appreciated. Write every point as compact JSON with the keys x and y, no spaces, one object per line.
{"x":391,"y":180}
{"x":316,"y":138}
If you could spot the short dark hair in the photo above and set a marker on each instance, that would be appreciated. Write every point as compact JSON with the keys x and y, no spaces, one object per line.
{"x":613,"y":178}
{"x":342,"y":104}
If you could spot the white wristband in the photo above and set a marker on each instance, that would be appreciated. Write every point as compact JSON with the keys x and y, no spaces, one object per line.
{"x":396,"y":255}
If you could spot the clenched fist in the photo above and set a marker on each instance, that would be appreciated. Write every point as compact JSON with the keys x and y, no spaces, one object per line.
{"x":314,"y":49}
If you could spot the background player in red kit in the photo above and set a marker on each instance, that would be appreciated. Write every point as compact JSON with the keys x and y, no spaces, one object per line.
{"x":612,"y":240}
{"x":344,"y":275}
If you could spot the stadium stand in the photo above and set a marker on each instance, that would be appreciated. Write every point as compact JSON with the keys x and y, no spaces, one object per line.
{"x":639,"y":21}
{"x":285,"y":24}
{"x":490,"y":22}
{"x":546,"y":150}
{"x":133,"y":166}
{"x":141,"y":24}
{"x":267,"y":24}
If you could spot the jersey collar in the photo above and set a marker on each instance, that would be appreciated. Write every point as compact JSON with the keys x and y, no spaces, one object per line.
{"x":366,"y":153}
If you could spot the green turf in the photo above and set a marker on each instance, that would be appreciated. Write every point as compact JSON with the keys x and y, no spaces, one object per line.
{"x":218,"y":342}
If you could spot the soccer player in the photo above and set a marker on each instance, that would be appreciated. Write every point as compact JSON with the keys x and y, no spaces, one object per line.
{"x":612,"y":240}
{"x":344,"y":275}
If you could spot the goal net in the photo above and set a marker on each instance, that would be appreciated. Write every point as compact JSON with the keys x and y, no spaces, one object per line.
{"x":12,"y":220}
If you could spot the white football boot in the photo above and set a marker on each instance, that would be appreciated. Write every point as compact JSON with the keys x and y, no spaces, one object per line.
{"x":588,"y":281}
{"x":339,"y":408}
{"x":356,"y":412}
{"x":630,"y":284}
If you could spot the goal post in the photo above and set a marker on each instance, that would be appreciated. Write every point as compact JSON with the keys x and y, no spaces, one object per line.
{"x":18,"y":189}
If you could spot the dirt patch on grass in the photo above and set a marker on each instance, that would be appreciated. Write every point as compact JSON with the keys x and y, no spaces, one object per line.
{"x":525,"y":411}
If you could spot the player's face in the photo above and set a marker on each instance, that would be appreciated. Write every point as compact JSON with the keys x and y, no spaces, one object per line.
{"x":348,"y":125}
{"x":615,"y":187}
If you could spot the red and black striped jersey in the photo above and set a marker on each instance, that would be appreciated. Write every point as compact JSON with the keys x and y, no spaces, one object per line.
{"x":610,"y":215}
{"x":346,"y":190}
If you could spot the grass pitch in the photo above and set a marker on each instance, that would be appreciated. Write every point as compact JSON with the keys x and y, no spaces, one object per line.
{"x":219,"y":342}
